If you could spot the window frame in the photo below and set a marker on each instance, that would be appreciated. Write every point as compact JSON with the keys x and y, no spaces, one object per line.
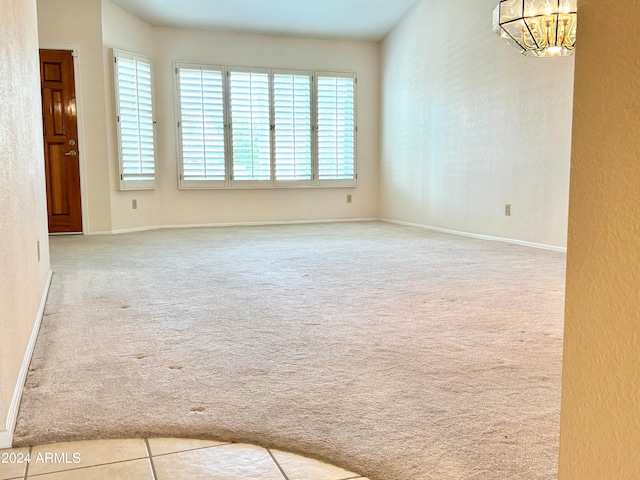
{"x":233,"y":183}
{"x":185,"y":183}
{"x":338,"y":182}
{"x":312,"y":134}
{"x":230,"y":182}
{"x":124,"y":182}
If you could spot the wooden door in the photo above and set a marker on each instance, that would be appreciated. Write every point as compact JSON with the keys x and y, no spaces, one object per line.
{"x":61,"y":156}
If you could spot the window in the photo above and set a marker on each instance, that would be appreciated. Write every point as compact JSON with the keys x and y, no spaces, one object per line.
{"x":292,"y":115}
{"x":256,"y":127}
{"x":202,"y":125}
{"x":250,"y":126}
{"x":336,"y":127}
{"x":133,"y":78}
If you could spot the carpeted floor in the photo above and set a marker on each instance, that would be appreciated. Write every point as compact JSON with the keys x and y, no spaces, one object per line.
{"x":391,"y":351}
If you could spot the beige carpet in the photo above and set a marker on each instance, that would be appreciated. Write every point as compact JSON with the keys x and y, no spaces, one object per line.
{"x":391,"y":351}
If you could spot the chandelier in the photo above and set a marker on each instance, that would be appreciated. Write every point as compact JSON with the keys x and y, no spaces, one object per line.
{"x":538,"y":28}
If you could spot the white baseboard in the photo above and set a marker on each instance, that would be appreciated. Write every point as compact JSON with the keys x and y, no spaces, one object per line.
{"x":6,"y":436}
{"x":129,"y":230}
{"x":542,"y":246}
{"x":524,"y":243}
{"x":281,"y":222}
{"x":233,"y":224}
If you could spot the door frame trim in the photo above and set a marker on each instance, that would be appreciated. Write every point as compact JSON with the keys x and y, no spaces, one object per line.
{"x":75,"y":49}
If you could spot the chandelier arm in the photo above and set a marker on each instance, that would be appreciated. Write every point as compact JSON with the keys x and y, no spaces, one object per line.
{"x":557,"y":16}
{"x":558,"y":23}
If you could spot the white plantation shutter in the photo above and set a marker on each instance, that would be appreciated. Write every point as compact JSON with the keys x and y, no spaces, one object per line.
{"x":201,"y":124}
{"x":135,"y":119}
{"x":258,"y":127}
{"x":250,"y":125}
{"x":292,"y":115}
{"x":336,"y":127}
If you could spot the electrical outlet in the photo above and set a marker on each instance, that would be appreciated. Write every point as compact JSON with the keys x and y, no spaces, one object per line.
{"x":507,"y":209}
{"x":134,"y":204}
{"x":349,"y":198}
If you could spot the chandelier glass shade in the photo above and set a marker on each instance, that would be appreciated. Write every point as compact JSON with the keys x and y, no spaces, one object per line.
{"x":538,"y":28}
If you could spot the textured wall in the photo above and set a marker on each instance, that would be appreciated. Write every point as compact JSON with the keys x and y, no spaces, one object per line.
{"x":600,"y":422}
{"x":469,"y":125}
{"x":23,"y":214}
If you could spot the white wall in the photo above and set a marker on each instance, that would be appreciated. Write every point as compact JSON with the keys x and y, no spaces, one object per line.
{"x":78,"y":23}
{"x":103,"y":26}
{"x":214,"y":206}
{"x":469,"y":125}
{"x":23,"y":214}
{"x":124,"y":31}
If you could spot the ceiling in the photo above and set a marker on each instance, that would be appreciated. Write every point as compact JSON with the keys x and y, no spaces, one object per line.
{"x":343,"y":19}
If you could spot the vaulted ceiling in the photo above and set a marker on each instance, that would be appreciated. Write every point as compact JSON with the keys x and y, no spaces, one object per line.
{"x":343,"y":19}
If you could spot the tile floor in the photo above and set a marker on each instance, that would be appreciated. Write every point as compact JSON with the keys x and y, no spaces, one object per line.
{"x":161,"y":459}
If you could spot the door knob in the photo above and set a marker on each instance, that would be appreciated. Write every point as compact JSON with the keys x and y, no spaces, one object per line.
{"x":72,"y":153}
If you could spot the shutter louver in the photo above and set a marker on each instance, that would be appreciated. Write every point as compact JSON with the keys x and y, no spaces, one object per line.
{"x":134,"y":104}
{"x":336,"y":128}
{"x":251,"y":145}
{"x":202,"y":124}
{"x":292,"y":113}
